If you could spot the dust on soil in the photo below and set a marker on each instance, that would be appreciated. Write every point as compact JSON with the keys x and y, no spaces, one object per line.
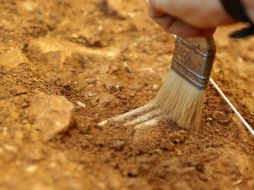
{"x":107,"y":57}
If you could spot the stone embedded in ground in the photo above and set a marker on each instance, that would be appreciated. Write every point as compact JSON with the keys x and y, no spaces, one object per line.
{"x":29,"y":6}
{"x":177,"y":137}
{"x":13,"y":58}
{"x":56,"y":51}
{"x":53,"y":115}
{"x":118,"y":144}
{"x":221,"y":117}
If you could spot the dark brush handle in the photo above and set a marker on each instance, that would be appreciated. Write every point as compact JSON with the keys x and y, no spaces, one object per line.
{"x":193,"y":60}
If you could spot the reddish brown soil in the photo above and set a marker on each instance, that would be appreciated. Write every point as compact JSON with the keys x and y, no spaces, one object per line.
{"x":112,"y":60}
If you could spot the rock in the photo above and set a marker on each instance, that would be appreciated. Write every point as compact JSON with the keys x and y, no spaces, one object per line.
{"x":221,"y":117}
{"x":29,"y":6}
{"x":31,"y":169}
{"x":127,"y":67}
{"x":107,"y":100}
{"x":53,"y":115}
{"x":129,"y":170}
{"x":13,"y":58}
{"x":51,"y":50}
{"x":55,"y":51}
{"x":10,"y":148}
{"x":177,"y":137}
{"x":167,"y":144}
{"x":81,"y":104}
{"x":118,"y":145}
{"x":155,"y":87}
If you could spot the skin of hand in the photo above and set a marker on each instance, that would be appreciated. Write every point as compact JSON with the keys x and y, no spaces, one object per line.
{"x":189,"y":18}
{"x":249,"y":5}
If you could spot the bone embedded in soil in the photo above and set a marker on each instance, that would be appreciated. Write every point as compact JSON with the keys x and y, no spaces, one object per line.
{"x":108,"y":57}
{"x":53,"y":115}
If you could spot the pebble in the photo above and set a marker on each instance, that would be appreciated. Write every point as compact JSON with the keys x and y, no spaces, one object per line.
{"x":127,"y":67}
{"x":53,"y":115}
{"x":155,"y":87}
{"x":90,"y":80}
{"x":13,"y":58}
{"x":177,"y":137}
{"x":10,"y":148}
{"x":166,"y":145}
{"x":221,"y":117}
{"x":31,"y":169}
{"x":118,"y":145}
{"x":81,"y":104}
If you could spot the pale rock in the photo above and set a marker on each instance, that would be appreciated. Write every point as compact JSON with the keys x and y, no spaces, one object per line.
{"x":53,"y":115}
{"x":13,"y":58}
{"x":31,"y":169}
{"x":127,"y":67}
{"x":10,"y":148}
{"x":29,"y":6}
{"x":81,"y":104}
{"x":55,"y":51}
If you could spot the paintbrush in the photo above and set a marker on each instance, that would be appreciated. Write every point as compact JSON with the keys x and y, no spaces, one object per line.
{"x":181,"y":96}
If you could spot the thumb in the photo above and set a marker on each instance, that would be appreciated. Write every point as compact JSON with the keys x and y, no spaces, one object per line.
{"x":153,"y":12}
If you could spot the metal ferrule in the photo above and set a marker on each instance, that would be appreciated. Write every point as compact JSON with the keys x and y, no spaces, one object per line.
{"x":193,"y":60}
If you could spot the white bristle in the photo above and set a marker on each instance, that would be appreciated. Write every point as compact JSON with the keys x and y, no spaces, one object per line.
{"x":181,"y":101}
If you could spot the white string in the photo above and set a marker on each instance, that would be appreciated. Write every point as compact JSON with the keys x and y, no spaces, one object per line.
{"x":245,"y":123}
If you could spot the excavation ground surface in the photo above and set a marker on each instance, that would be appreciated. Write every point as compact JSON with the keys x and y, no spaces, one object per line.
{"x":67,"y":65}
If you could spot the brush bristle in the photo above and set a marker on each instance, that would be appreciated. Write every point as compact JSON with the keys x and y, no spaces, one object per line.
{"x":181,"y":101}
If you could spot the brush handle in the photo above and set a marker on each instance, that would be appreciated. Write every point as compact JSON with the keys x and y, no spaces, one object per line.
{"x":193,"y":60}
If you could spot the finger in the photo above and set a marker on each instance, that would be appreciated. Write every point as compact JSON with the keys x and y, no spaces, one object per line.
{"x":158,"y":7}
{"x":199,"y":13}
{"x":155,"y":13}
{"x":181,"y":28}
{"x":165,"y":21}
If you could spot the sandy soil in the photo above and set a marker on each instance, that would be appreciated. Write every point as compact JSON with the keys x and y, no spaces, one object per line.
{"x":67,"y":65}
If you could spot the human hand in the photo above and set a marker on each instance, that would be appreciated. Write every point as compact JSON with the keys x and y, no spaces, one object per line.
{"x":189,"y":18}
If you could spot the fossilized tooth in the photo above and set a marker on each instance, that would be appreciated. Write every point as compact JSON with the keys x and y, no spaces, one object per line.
{"x":193,"y":60}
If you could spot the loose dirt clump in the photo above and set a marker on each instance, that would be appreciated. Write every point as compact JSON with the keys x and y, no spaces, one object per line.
{"x":67,"y":65}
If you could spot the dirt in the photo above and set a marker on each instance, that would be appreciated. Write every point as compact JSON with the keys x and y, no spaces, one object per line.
{"x":72,"y":64}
